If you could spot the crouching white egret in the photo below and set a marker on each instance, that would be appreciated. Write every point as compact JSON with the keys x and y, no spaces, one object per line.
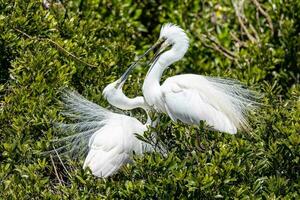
{"x":190,"y":98}
{"x":111,"y":136}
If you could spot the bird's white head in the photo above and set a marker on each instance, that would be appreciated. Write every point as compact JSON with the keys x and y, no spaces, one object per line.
{"x":111,"y":89}
{"x":114,"y":95}
{"x":174,"y":36}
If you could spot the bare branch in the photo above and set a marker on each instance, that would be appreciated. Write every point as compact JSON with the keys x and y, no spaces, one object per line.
{"x":58,"y":47}
{"x":217,"y":47}
{"x":217,"y":43}
{"x":62,"y":162}
{"x":255,"y":32}
{"x":18,"y":30}
{"x":55,"y":170}
{"x":241,"y":43}
{"x":239,"y":16}
{"x":265,"y":14}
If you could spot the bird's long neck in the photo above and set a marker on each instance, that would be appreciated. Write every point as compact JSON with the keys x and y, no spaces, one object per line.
{"x":127,"y":103}
{"x":157,"y":68}
{"x":151,"y":86}
{"x":137,"y":102}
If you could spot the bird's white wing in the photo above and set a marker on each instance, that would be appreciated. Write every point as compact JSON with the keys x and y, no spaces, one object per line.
{"x":109,"y":138}
{"x":112,"y":146}
{"x":221,"y":103}
{"x":190,"y":107}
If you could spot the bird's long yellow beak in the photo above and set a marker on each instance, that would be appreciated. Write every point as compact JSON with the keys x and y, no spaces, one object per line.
{"x":123,"y":78}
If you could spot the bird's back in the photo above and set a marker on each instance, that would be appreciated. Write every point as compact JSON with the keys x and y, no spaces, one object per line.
{"x":112,"y":145}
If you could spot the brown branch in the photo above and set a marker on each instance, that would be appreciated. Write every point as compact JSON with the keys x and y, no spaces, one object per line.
{"x":241,"y":43}
{"x":238,"y":14}
{"x":216,"y":48}
{"x":58,"y":47}
{"x":18,"y":30}
{"x":216,"y":43}
{"x":61,"y":162}
{"x":55,"y":170}
{"x":265,"y":14}
{"x":256,"y":36}
{"x":255,"y":32}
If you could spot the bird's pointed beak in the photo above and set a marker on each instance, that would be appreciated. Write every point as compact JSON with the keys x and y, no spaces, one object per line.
{"x":163,"y":47}
{"x":124,"y":77}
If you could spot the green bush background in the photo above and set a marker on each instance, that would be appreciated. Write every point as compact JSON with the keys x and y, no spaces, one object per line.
{"x":108,"y":35}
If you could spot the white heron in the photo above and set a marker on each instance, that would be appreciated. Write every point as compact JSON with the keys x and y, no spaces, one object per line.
{"x":190,"y":98}
{"x":111,"y":136}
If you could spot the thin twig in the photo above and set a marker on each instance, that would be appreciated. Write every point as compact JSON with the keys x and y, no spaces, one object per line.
{"x":55,"y":170}
{"x":241,"y":43}
{"x":215,"y":47}
{"x":243,"y":17}
{"x":264,"y":13}
{"x":238,"y":14}
{"x":213,"y":40}
{"x":61,"y":162}
{"x":240,"y":10}
{"x":58,"y":47}
{"x":18,"y":30}
{"x":255,"y":32}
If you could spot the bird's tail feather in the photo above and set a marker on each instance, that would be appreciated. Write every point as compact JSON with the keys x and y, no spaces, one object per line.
{"x":239,"y":100}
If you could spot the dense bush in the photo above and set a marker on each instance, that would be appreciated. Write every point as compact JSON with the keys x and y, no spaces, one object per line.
{"x":87,"y":44}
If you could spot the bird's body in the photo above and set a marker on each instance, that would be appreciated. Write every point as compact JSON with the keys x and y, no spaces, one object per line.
{"x":113,"y":144}
{"x":111,"y":136}
{"x":190,"y":98}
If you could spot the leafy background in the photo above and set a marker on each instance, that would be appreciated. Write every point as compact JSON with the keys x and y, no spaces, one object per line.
{"x":87,"y":44}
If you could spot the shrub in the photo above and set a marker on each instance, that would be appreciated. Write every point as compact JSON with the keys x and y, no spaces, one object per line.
{"x":87,"y":44}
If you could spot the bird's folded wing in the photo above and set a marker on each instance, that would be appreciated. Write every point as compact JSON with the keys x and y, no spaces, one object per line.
{"x":190,"y":106}
{"x":112,"y":146}
{"x":221,"y":102}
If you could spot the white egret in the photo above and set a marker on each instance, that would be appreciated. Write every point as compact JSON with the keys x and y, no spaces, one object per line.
{"x":111,"y":136}
{"x":190,"y":98}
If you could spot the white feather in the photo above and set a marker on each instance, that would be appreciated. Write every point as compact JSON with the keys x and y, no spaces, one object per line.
{"x":108,"y":137}
{"x":223,"y":104}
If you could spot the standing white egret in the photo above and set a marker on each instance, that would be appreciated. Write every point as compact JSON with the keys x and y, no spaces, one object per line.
{"x":111,"y":136}
{"x":190,"y":98}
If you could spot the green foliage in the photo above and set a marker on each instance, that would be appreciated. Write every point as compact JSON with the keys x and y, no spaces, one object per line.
{"x":108,"y":34}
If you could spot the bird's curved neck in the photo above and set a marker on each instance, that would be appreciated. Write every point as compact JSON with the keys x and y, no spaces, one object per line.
{"x":164,"y":61}
{"x":132,"y":103}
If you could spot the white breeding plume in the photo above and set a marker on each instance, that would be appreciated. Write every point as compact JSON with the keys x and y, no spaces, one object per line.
{"x":111,"y":136}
